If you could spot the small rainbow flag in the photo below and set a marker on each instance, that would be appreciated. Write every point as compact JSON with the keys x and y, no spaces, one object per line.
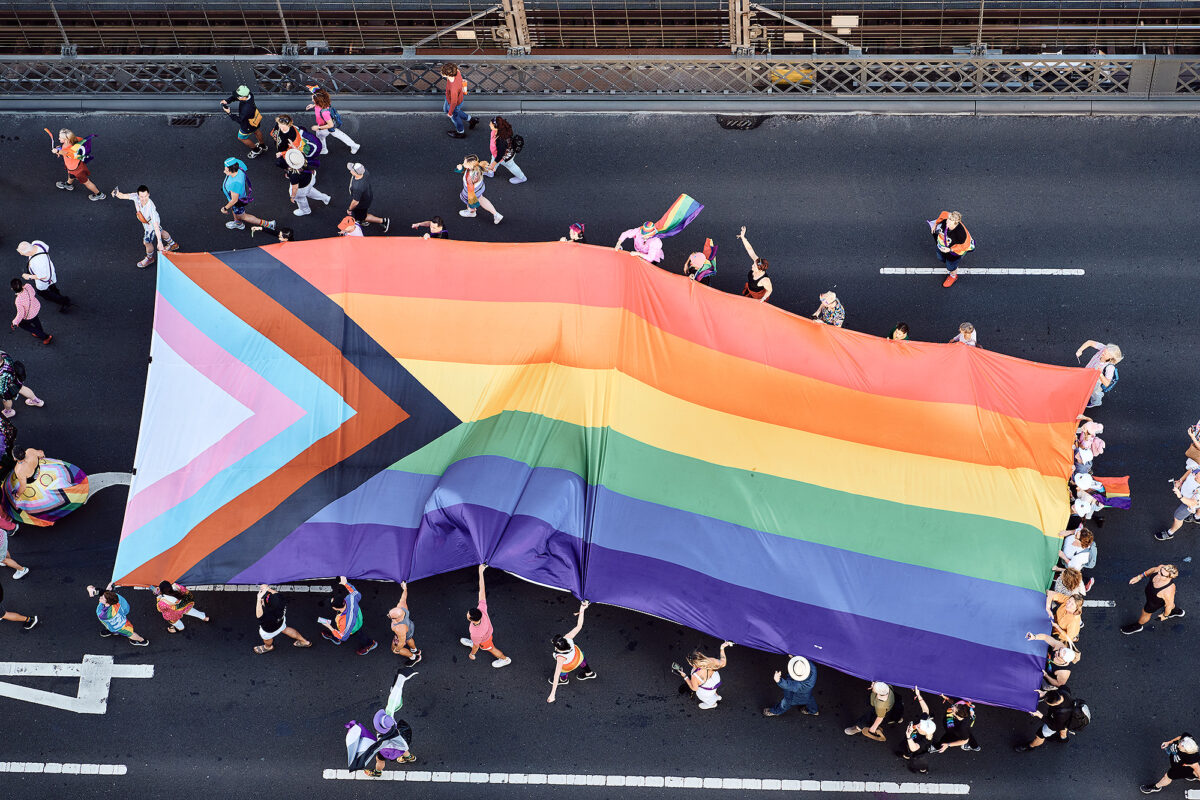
{"x":1116,"y":492}
{"x":678,"y":216}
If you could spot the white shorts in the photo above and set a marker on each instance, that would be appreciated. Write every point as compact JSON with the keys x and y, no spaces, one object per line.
{"x":282,"y":626}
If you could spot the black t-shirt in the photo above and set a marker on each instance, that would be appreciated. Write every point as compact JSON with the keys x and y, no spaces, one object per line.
{"x":274,"y":607}
{"x":1183,"y":759}
{"x":442,"y":234}
{"x":300,"y":179}
{"x":1059,"y":716}
{"x":360,"y":190}
{"x":246,"y":111}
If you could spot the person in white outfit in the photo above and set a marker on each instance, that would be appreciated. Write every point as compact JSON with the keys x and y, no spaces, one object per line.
{"x":328,"y":121}
{"x":303,"y":180}
{"x":704,"y":679}
{"x":40,"y":270}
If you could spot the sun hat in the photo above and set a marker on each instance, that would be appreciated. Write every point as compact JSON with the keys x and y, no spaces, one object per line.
{"x":798,"y":668}
{"x":347,"y":223}
{"x":880,"y":688}
{"x":383,"y":721}
{"x":295,"y":159}
{"x":243,"y":91}
{"x":649,"y":229}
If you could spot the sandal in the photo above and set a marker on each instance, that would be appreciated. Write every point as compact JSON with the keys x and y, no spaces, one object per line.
{"x":36,"y":402}
{"x":262,"y":648}
{"x":172,"y":629}
{"x":302,"y":644}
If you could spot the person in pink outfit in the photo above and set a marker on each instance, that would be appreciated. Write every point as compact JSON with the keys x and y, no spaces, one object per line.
{"x":28,"y":308}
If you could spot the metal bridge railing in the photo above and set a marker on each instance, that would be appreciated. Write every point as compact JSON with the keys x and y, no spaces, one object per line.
{"x":660,"y":76}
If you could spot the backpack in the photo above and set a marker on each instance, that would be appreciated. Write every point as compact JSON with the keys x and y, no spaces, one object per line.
{"x":1081,"y":715}
{"x":1115,"y":377}
{"x":335,"y":116}
{"x":517,"y":144}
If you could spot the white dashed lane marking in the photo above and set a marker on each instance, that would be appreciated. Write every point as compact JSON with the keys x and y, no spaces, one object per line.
{"x":981,"y":271}
{"x":1099,"y":604}
{"x":38,"y":767}
{"x":652,"y":782}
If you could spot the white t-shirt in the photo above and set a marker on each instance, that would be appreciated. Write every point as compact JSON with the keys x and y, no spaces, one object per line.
{"x":42,"y":270}
{"x":1077,"y":557}
{"x":148,"y":211}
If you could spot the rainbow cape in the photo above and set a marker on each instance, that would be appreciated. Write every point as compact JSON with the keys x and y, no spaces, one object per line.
{"x":678,"y":216}
{"x":1116,"y":492}
{"x":380,"y":408}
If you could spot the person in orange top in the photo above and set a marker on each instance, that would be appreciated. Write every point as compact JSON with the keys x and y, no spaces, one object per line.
{"x":1067,"y":619}
{"x":76,"y":169}
{"x":953,"y":242}
{"x":456,"y":93}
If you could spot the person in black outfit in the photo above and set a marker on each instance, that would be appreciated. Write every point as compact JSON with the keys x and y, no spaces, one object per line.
{"x":436,"y":226}
{"x":960,"y":719}
{"x":271,"y":610}
{"x":918,"y":738}
{"x":1056,"y":709}
{"x":248,"y":120}
{"x":1185,"y":763}
{"x":1160,"y":597}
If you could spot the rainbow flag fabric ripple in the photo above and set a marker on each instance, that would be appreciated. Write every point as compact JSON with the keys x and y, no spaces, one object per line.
{"x":397,"y":408}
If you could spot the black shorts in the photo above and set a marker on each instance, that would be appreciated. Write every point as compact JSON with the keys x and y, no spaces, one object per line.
{"x":359,"y":212}
{"x":1179,"y":772}
{"x":1154,"y":608}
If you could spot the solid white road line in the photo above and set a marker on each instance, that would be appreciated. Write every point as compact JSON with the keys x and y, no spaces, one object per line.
{"x":1193,"y":794}
{"x":103,"y":480}
{"x":652,"y":782}
{"x":253,"y":587}
{"x":1099,"y":604}
{"x":979,"y":271}
{"x":62,"y":769}
{"x":95,"y":678}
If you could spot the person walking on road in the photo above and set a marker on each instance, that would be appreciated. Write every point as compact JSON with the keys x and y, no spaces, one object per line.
{"x":1160,"y":597}
{"x":270,"y":608}
{"x":28,"y":309}
{"x":248,"y":119}
{"x":302,"y":182}
{"x":394,"y":738}
{"x":504,"y":146}
{"x":646,"y":243}
{"x":1060,"y":657}
{"x":575,"y":234}
{"x":1184,"y":755}
{"x":153,"y":233}
{"x":1055,"y":711}
{"x":348,"y":624}
{"x":1187,"y":489}
{"x":113,"y":612}
{"x":403,"y":629}
{"x":239,"y":194}
{"x":886,"y":708}
{"x":473,"y":188}
{"x":1105,"y":360}
{"x":175,"y":602}
{"x":960,"y":721}
{"x":12,"y":385}
{"x":918,"y":738}
{"x":40,"y":270}
{"x":361,"y":197}
{"x":704,"y":678}
{"x":480,"y":632}
{"x":5,"y":557}
{"x":349,"y":226}
{"x":899,"y":333}
{"x":72,"y":148}
{"x":830,"y":311}
{"x":329,"y":121}
{"x":797,"y":688}
{"x":27,"y":622}
{"x":436,"y":226}
{"x":758,"y":285}
{"x":568,"y":657}
{"x":952,"y":240}
{"x":456,"y":95}
{"x":966,"y":335}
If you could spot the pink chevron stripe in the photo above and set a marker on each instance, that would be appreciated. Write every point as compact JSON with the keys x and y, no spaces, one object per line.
{"x":272,"y":410}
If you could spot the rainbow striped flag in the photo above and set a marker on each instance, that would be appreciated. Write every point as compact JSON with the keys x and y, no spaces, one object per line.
{"x":1116,"y":492}
{"x":678,"y":216}
{"x":381,"y":408}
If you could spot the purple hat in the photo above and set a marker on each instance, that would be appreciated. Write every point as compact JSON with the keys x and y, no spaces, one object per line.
{"x":383,"y":721}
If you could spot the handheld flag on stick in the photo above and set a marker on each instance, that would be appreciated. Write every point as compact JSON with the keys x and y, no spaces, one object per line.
{"x":396,"y":696}
{"x":1116,"y":492}
{"x":681,"y":212}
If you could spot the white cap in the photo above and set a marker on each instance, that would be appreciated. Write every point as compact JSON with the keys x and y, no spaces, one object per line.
{"x":880,"y":688}
{"x":927,"y":726}
{"x":355,"y":167}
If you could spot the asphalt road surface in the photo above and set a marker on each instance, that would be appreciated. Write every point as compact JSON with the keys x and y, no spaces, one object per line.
{"x":829,"y":201}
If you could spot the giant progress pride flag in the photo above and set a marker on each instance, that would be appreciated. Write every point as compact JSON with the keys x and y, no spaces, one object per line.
{"x":396,"y":408}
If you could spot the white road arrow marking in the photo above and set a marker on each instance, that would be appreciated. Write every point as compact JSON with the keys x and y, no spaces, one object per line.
{"x":95,"y":678}
{"x":103,"y":480}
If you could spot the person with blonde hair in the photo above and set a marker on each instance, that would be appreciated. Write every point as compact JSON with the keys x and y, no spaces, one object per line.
{"x":1067,"y":615}
{"x":704,"y":678}
{"x":953,"y":241}
{"x":72,"y":149}
{"x":1059,"y":659}
{"x":830,"y":311}
{"x":1160,"y":597}
{"x":473,"y":187}
{"x":1185,"y":763}
{"x":1105,"y":359}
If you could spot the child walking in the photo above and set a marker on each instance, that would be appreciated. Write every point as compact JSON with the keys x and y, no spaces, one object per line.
{"x":480,"y":632}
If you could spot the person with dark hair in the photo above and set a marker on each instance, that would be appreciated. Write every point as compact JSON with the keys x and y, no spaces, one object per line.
{"x":403,"y":629}
{"x":899,"y":333}
{"x":348,"y":624}
{"x":248,"y":120}
{"x":456,"y":95}
{"x":960,"y":719}
{"x":28,"y":622}
{"x":758,"y":285}
{"x":238,"y":194}
{"x":113,"y":612}
{"x":1184,"y":755}
{"x":154,"y":236}
{"x":28,"y":309}
{"x":437,"y":228}
{"x":504,"y":150}
{"x":329,"y":121}
{"x":1055,"y":711}
{"x":174,"y":601}
{"x":575,"y":234}
{"x":12,"y":385}
{"x":568,"y":657}
{"x":480,"y":631}
{"x":270,"y":608}
{"x":40,"y":491}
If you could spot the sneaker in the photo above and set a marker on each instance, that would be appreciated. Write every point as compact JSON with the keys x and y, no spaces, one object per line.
{"x":466,"y":212}
{"x":501,"y":662}
{"x":1133,"y":627}
{"x":769,"y":713}
{"x":354,"y":149}
{"x":70,"y":187}
{"x":235,"y":225}
{"x":372,"y":773}
{"x":472,"y":122}
{"x":97,"y":196}
{"x":33,"y":621}
{"x":362,"y":651}
{"x":105,"y":633}
{"x":1022,"y":748}
{"x":257,"y":151}
{"x":172,"y":247}
{"x":416,"y":657}
{"x":1150,"y":788}
{"x":407,"y":758}
{"x":562,"y":680}
{"x":142,"y":643}
{"x":852,"y":730}
{"x":950,"y":279}
{"x":145,"y":262}
{"x":1163,"y":536}
{"x":1179,"y":612}
{"x":456,"y":135}
{"x":329,"y":637}
{"x":23,"y":571}
{"x":585,"y":676}
{"x":517,"y":180}
{"x":1087,"y":587}
{"x":496,"y":218}
{"x":970,"y":749}
{"x":806,"y":712}
{"x":387,"y":223}
{"x":465,"y":642}
{"x":301,"y":213}
{"x":327,"y":199}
